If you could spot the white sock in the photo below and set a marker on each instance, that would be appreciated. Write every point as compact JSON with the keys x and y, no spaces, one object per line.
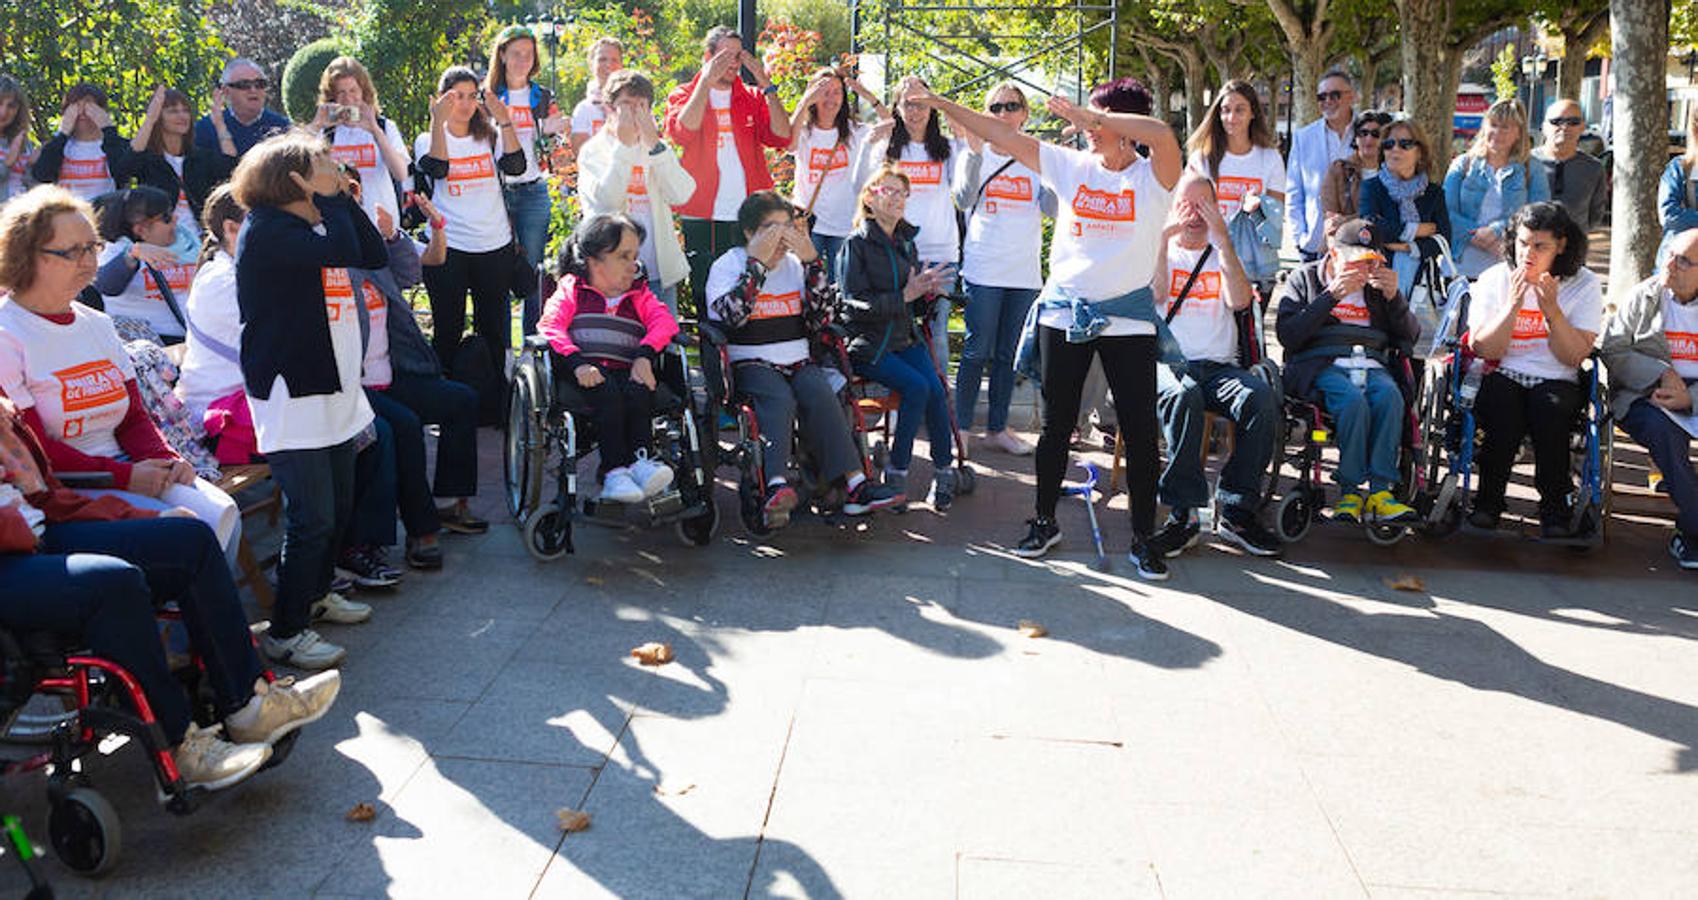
{"x":854,"y":481}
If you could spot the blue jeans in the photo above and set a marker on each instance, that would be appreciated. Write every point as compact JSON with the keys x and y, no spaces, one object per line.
{"x":99,"y":583}
{"x":828,"y":245}
{"x":1368,"y":423}
{"x":530,"y":206}
{"x":911,"y":374}
{"x":995,"y":316}
{"x":318,"y":506}
{"x":1668,"y":444}
{"x":1226,"y":390}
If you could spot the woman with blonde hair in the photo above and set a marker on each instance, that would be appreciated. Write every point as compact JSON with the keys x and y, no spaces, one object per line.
{"x":1488,"y":184}
{"x":1677,"y":190}
{"x":351,"y":120}
{"x":17,"y":152}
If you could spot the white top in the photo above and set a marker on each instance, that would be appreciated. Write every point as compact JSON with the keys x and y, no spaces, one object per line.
{"x":588,"y":116}
{"x":84,"y":171}
{"x":1204,"y":325}
{"x":1680,"y":324}
{"x":358,"y":148}
{"x":1108,"y":226}
{"x":733,"y":187}
{"x":638,"y":207}
{"x":141,"y":298}
{"x":780,"y":295}
{"x":525,"y":122}
{"x":376,"y":368}
{"x":470,"y":196}
{"x":1257,"y":172}
{"x":1006,"y":231}
{"x":931,"y":203}
{"x":1580,"y":297}
{"x":206,"y":376}
{"x":824,"y":163}
{"x":320,"y":420}
{"x":72,"y":375}
{"x":185,"y":214}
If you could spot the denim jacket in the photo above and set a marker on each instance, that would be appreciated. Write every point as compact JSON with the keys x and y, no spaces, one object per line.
{"x":1465,"y":187}
{"x":1088,"y":320}
{"x":1675,"y":206}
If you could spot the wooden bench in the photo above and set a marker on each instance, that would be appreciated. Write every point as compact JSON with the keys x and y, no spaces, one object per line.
{"x":236,"y":479}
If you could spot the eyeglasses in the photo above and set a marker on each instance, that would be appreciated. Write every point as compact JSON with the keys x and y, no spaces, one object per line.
{"x":1399,"y":143}
{"x":890,"y":190}
{"x":1329,"y":96}
{"x":249,"y":84}
{"x":1677,"y":261}
{"x":1010,"y":106}
{"x":75,"y":255}
{"x":1368,"y":133}
{"x":1565,"y":121}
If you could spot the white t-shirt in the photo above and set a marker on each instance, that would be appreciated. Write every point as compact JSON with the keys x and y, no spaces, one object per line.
{"x":1107,"y":230}
{"x":358,"y":148}
{"x":780,"y":295}
{"x":319,"y":420}
{"x":185,"y":213}
{"x":733,"y":187}
{"x":141,"y":298}
{"x":84,"y":171}
{"x":1259,"y":171}
{"x":1204,"y":326}
{"x":470,"y":196}
{"x":1680,"y":324}
{"x":72,"y":375}
{"x":588,"y":117}
{"x":377,"y":371}
{"x":638,"y":207}
{"x":525,"y":123}
{"x":206,"y":376}
{"x":1582,"y":302}
{"x":824,"y":163}
{"x":931,"y":207}
{"x":1006,"y":231}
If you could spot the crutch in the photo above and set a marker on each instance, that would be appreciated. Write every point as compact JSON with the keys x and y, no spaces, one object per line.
{"x":1087,"y":492}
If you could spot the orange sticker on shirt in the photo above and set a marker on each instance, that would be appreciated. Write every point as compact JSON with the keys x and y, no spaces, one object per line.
{"x":1206,"y":287}
{"x":777,"y":306}
{"x":1010,"y":187}
{"x":360,"y":156}
{"x":823,"y":161}
{"x":1105,"y":206}
{"x":923,"y":174}
{"x":1529,"y":325}
{"x":639,"y":185}
{"x":84,"y":170}
{"x":90,"y":385}
{"x":374,"y":297}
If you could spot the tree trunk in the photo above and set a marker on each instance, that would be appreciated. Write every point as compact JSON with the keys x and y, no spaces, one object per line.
{"x":1155,"y":77}
{"x":1639,"y":58}
{"x":1577,"y":38}
{"x":1307,"y":41}
{"x":1423,"y":51}
{"x":1370,"y":81}
{"x":1196,"y":74}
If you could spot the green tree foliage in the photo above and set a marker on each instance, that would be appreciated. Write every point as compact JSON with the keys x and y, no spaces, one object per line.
{"x":407,"y":43}
{"x":302,"y":74}
{"x":1504,"y":69}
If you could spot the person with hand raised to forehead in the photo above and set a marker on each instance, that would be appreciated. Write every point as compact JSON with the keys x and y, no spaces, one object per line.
{"x":86,"y":155}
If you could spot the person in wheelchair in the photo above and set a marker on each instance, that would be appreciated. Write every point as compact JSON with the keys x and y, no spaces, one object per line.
{"x":1341,"y":318}
{"x":773,"y":300}
{"x":1535,"y":316}
{"x":93,"y":570}
{"x":607,"y":330}
{"x":1200,"y":284}
{"x":1650,"y":346}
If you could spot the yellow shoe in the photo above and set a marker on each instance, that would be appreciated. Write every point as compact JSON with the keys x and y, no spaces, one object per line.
{"x":1385,"y":509}
{"x":1348,"y":508}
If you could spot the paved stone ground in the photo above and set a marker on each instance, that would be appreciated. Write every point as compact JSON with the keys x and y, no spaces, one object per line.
{"x":853,"y":713}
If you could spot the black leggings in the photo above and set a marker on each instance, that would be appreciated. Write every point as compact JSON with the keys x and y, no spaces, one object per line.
{"x":1129,"y":364}
{"x":487,"y":276}
{"x":1508,"y":412}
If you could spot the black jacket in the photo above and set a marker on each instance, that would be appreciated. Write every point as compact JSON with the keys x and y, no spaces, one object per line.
{"x":874,"y":268}
{"x":203,"y":170}
{"x":52,"y":158}
{"x":1377,"y":207}
{"x":1305,"y":322}
{"x":280,"y":261}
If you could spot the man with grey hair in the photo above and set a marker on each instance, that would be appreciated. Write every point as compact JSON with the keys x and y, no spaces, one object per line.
{"x":1313,"y":149}
{"x":1576,"y":178}
{"x":242,"y":89}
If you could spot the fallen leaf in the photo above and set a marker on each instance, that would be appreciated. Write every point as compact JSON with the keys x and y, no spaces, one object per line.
{"x":674,"y":790}
{"x":1032,"y":629}
{"x":593,"y":579}
{"x":573,"y":819}
{"x":362,"y":812}
{"x":653,"y":653}
{"x":1407,"y":582}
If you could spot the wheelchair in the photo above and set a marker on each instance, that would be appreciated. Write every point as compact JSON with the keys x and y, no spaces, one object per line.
{"x":548,"y":429}
{"x":102,"y":706}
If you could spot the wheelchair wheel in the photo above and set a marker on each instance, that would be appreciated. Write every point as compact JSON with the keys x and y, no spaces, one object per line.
{"x":1295,"y":514}
{"x":698,"y":531}
{"x":966,"y":480}
{"x":749,"y":508}
{"x":1386,"y":535}
{"x":84,"y":831}
{"x":523,"y":452}
{"x":1447,"y":522}
{"x":548,"y":532}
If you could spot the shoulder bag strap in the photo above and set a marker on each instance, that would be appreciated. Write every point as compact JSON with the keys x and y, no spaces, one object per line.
{"x":1186,"y":290}
{"x":166,"y":294}
{"x":984,"y":183}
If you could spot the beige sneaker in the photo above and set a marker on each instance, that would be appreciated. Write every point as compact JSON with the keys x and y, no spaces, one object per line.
{"x":335,"y":608}
{"x":207,"y":761}
{"x":1010,"y":443}
{"x":282,"y":706}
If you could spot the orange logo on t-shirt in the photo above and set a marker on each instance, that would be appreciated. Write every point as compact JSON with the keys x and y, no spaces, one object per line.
{"x":1010,"y":187}
{"x":639,"y":185}
{"x":1351,"y":310}
{"x":777,"y":306}
{"x":522,"y":117}
{"x":1206,"y":287}
{"x":90,"y":385}
{"x":1683,"y":345}
{"x":1094,"y":204}
{"x":722,"y":119}
{"x":1529,"y":325}
{"x":1230,"y":189}
{"x":83,"y":170}
{"x":823,"y":160}
{"x":360,"y":156}
{"x":180,"y":277}
{"x":923,"y":174}
{"x":374,"y":297}
{"x":468,"y":168}
{"x":338,"y":290}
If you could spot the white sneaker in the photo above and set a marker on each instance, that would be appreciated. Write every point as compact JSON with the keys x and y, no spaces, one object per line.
{"x":1010,"y":443}
{"x":207,"y":761}
{"x":303,"y":651}
{"x":282,"y":706}
{"x":335,"y":608}
{"x":650,"y":475}
{"x":618,"y":486}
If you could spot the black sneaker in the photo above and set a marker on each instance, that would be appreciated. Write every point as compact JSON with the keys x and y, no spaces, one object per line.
{"x":1042,"y":535}
{"x":1177,"y":536}
{"x":1147,"y":562}
{"x":420,"y":556}
{"x":869,"y":495}
{"x":366,"y":568}
{"x":1481,"y":520}
{"x":1684,"y":551}
{"x":942,"y":495}
{"x":460,"y":521}
{"x":1243,"y":531}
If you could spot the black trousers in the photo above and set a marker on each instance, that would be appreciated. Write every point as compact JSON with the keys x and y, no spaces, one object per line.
{"x":487,"y":276}
{"x":1129,"y":364}
{"x":1507,"y":413}
{"x":623,"y":411}
{"x":705,"y":240}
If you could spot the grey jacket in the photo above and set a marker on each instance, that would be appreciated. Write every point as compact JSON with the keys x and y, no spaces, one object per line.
{"x":1578,"y":184}
{"x":1634,"y":346}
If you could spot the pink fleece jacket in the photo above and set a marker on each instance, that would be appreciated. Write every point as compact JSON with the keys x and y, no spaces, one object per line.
{"x":638,"y":303}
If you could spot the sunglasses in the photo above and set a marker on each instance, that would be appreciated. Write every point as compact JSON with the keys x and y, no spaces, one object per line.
{"x":1329,"y":96}
{"x":1570,"y":121}
{"x":74,"y":255}
{"x":1399,"y":143}
{"x":249,"y":84}
{"x":1368,"y":133}
{"x":1011,"y":106}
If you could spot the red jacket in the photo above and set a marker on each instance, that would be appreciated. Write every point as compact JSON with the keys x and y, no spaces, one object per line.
{"x":751,"y":129}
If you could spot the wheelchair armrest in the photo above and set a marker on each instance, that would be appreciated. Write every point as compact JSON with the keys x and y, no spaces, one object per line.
{"x":85,"y":479}
{"x":536,"y":342}
{"x":712,"y":334}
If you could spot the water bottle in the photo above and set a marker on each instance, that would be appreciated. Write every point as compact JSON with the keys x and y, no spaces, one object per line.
{"x":1358,"y":367}
{"x":1471,"y":382}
